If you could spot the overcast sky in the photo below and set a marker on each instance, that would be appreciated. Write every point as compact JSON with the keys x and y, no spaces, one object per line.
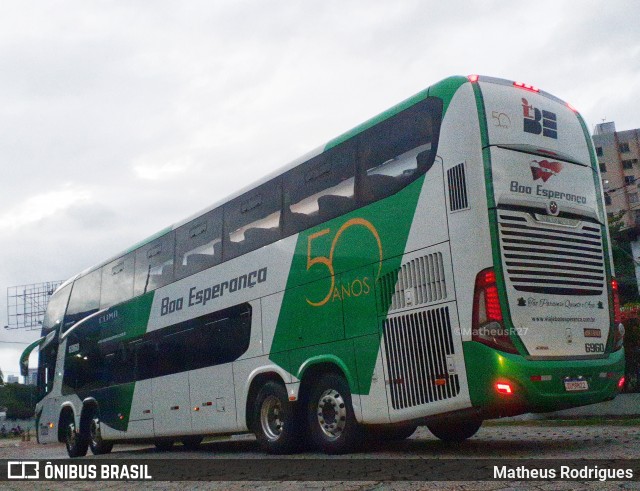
{"x":120,"y":118}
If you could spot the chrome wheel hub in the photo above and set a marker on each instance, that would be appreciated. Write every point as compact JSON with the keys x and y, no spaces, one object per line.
{"x":271,"y":418}
{"x":332,"y":414}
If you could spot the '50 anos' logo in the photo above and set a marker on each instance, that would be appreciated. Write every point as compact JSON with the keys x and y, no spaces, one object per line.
{"x":327,"y":261}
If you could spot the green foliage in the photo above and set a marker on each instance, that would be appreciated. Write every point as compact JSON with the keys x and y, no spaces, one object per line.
{"x":632,"y":355}
{"x":20,"y":400}
{"x":623,"y":260}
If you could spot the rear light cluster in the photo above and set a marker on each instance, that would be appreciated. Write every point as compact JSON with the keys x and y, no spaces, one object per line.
{"x":487,"y":322}
{"x":618,"y":327}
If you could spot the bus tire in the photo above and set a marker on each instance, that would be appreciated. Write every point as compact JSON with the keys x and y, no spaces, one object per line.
{"x":76,"y":443}
{"x":455,"y":431}
{"x":393,"y":433}
{"x":163,"y":445}
{"x":276,"y":420}
{"x":331,"y":419}
{"x":192,"y":442}
{"x":96,"y":443}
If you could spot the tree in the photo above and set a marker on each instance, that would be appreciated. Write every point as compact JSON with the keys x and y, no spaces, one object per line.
{"x":623,"y":260}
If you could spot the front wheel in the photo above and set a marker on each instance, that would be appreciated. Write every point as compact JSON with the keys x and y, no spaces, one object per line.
{"x":96,"y":443}
{"x":275,"y":420}
{"x":455,"y":431}
{"x":76,"y":444}
{"x":331,"y":419}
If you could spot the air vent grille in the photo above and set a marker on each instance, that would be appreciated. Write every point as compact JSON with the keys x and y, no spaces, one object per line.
{"x":417,"y":346}
{"x":544,"y":258}
{"x":418,"y":282}
{"x":457,"y":179}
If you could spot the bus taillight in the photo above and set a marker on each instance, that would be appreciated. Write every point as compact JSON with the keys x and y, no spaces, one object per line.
{"x":617,"y":316}
{"x":487,"y":323}
{"x":473,"y":78}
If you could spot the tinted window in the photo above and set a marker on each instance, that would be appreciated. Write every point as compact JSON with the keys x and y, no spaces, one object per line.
{"x":398,"y":150}
{"x":212,"y":339}
{"x":117,"y":281}
{"x":85,"y":298}
{"x":154,"y":264}
{"x":55,"y":309}
{"x":199,"y":244}
{"x":320,"y":189}
{"x":252,"y":220}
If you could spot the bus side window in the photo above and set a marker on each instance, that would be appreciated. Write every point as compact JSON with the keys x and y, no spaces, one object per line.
{"x":397,"y":151}
{"x":154,"y":264}
{"x":252,"y":220}
{"x":85,"y":298}
{"x":117,"y":281}
{"x":199,"y":244}
{"x":320,"y":189}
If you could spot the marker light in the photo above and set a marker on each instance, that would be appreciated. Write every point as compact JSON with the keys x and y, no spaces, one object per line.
{"x":621,"y":383}
{"x":524,"y":86}
{"x":473,"y":78}
{"x":51,"y":425}
{"x":503,"y":388}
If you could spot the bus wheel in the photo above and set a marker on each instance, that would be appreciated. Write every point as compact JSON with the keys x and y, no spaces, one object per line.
{"x":76,"y":444}
{"x":275,"y":420}
{"x":163,"y":445}
{"x":394,"y":433}
{"x":96,"y":443}
{"x":331,"y":419}
{"x":455,"y":431}
{"x":192,"y":442}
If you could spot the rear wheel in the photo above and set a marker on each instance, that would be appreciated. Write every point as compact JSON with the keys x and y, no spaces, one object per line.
{"x":331,"y":419}
{"x":455,"y":431}
{"x":276,"y":420}
{"x":76,"y":443}
{"x":96,"y":443}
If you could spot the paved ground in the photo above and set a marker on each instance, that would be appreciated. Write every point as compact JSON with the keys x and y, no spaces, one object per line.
{"x":548,"y":442}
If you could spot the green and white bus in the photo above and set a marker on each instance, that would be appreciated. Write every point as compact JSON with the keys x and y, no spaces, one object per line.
{"x":443,"y":263}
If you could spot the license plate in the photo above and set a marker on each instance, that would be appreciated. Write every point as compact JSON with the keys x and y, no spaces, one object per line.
{"x":576,"y":385}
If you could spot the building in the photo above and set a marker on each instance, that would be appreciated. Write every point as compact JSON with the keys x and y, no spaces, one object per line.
{"x":618,"y":154}
{"x":32,"y":378}
{"x":12,"y":379}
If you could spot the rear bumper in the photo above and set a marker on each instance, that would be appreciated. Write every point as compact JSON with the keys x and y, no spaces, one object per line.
{"x":486,"y":367}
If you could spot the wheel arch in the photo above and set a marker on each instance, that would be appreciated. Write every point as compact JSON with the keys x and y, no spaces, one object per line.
{"x":255,"y":381}
{"x":314,"y":368}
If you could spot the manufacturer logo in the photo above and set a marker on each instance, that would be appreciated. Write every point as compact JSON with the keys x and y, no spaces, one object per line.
{"x":23,"y":469}
{"x":553,"y":208}
{"x":544,"y":169}
{"x":539,"y":122}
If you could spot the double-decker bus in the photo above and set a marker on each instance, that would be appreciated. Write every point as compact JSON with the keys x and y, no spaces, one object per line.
{"x":443,"y":263}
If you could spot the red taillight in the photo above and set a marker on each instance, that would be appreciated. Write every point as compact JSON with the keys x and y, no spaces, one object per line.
{"x":487,"y":321}
{"x":621,"y":383}
{"x":473,"y":78}
{"x":504,"y":388}
{"x":524,"y":86}
{"x":617,"y":316}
